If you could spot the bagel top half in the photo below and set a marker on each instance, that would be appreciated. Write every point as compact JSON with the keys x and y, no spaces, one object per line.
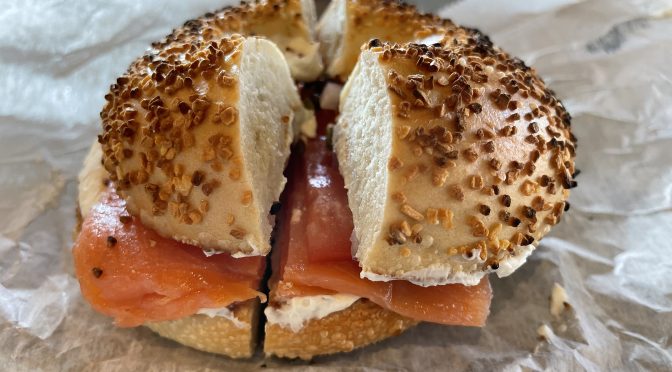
{"x":346,"y":25}
{"x":456,"y":157}
{"x":290,"y":24}
{"x":196,"y":139}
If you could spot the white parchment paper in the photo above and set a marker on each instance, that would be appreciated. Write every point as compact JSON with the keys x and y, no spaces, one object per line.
{"x":611,"y":63}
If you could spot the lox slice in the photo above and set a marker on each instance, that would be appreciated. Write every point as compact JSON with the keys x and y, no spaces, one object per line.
{"x":313,"y":251}
{"x":137,"y":276}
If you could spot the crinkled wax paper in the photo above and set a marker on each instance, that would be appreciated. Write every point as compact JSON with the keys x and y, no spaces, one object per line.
{"x":610,"y":62}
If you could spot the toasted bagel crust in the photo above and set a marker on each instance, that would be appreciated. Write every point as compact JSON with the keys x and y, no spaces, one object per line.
{"x":216,"y":334}
{"x":473,"y":160}
{"x":361,"y":324}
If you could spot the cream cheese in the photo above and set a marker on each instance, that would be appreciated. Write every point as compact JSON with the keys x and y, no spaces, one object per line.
{"x":223,"y":312}
{"x":442,"y":275}
{"x":296,"y":312}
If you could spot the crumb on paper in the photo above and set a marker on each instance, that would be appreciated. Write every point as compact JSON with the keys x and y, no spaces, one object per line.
{"x":559,"y":300}
{"x":545,"y":332}
{"x":309,"y":126}
{"x":329,"y":99}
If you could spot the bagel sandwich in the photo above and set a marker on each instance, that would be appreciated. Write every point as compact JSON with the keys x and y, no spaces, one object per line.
{"x":387,"y":219}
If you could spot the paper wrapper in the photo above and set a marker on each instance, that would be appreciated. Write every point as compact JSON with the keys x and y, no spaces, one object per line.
{"x":609,"y":61}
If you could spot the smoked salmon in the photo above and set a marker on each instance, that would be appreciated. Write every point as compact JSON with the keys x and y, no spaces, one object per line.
{"x":313,"y":254}
{"x":129,"y":272}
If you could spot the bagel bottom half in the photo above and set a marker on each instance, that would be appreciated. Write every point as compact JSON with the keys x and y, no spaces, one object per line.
{"x":216,"y":334}
{"x":361,"y":324}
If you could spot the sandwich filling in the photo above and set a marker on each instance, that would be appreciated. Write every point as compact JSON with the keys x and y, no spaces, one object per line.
{"x":312,"y":256}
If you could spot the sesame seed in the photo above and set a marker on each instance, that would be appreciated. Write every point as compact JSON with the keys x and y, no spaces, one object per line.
{"x":527,"y":240}
{"x":246,"y":198}
{"x":432,"y":215}
{"x":439,"y":176}
{"x":411,"y":212}
{"x":506,"y":200}
{"x":456,"y":192}
{"x":234,"y":174}
{"x":470,"y":154}
{"x":476,"y":182}
{"x":399,"y":197}
{"x":511,"y":176}
{"x":483,"y":254}
{"x":551,"y":219}
{"x":195,"y":217}
{"x":111,"y":241}
{"x":508,"y":130}
{"x":405,"y":228}
{"x":209,"y":187}
{"x":478,"y":227}
{"x":528,"y":212}
{"x":197,"y":178}
{"x":529,"y":187}
{"x":533,"y":127}
{"x":475,"y":107}
{"x":238,"y":233}
{"x":446,"y":218}
{"x":394,"y":163}
{"x":403,"y":131}
{"x":515,"y":221}
{"x":494,"y":231}
{"x":203,"y":206}
{"x":495,"y":164}
{"x":513,"y":117}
